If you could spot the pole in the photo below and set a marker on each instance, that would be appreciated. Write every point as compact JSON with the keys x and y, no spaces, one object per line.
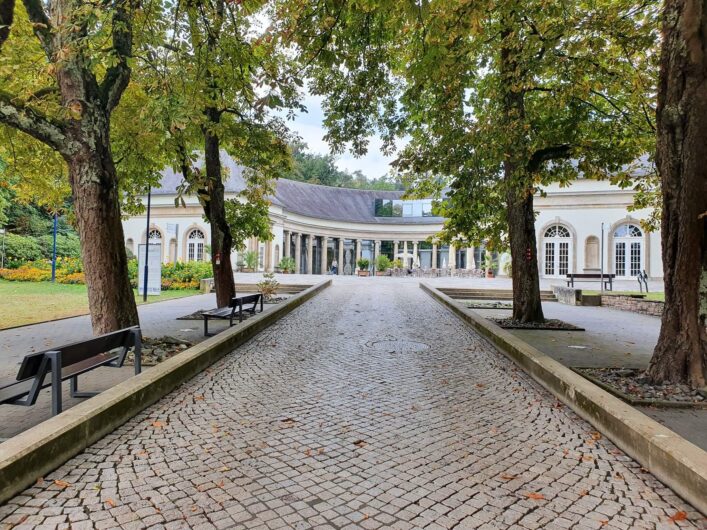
{"x":147,"y":245}
{"x":601,"y":281}
{"x":54,"y":250}
{"x":2,"y":257}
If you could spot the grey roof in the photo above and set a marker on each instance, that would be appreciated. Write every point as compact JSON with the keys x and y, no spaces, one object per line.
{"x":311,"y":200}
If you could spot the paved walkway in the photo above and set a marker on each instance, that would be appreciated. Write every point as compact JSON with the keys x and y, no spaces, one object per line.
{"x":368,"y":407}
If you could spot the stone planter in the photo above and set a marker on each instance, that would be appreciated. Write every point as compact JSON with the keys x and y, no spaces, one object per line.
{"x":363,"y":273}
{"x":380,"y":273}
{"x":489,"y":273}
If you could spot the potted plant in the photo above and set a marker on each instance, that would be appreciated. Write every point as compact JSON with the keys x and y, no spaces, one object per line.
{"x":363,"y":265}
{"x":382,"y":264}
{"x":489,"y":264}
{"x":251,"y":261}
{"x":287,"y":265}
{"x":398,"y":263}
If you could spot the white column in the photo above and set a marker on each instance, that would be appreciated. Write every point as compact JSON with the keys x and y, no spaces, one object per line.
{"x":395,"y":249}
{"x":310,"y":250}
{"x":286,"y":239}
{"x":434,"y":255}
{"x":325,"y":248}
{"x":452,"y":257}
{"x":298,"y":252}
{"x":358,"y":249}
{"x":470,"y":258}
{"x":341,"y":255}
{"x":414,"y":253}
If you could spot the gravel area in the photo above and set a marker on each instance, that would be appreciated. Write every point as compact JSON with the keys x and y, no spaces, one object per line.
{"x":634,"y":383}
{"x":489,"y":305}
{"x":156,"y":350}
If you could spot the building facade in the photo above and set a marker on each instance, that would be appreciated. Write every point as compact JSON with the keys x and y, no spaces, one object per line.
{"x":577,"y":226}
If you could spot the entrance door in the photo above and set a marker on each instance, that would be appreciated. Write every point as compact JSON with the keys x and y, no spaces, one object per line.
{"x":628,"y":251}
{"x":557,"y":241}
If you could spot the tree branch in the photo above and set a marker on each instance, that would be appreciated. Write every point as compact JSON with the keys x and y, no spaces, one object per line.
{"x":7,"y":11}
{"x":548,"y":153}
{"x":118,"y":76}
{"x":41,"y":25}
{"x":29,"y":121}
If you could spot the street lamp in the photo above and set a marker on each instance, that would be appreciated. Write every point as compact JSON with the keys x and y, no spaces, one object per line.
{"x":2,"y":256}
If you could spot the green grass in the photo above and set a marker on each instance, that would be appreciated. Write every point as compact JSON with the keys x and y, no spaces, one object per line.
{"x":659,"y":297}
{"x":32,"y":302}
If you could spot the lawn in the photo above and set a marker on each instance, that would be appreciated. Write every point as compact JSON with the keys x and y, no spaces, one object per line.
{"x":657,"y":296}
{"x":31,"y":302}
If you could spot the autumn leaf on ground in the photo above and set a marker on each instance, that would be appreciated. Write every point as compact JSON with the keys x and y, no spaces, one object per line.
{"x":415,"y":408}
{"x":587,"y":458}
{"x":157,"y":424}
{"x":194,"y":508}
{"x":320,"y":451}
{"x":603,"y":522}
{"x":565,"y":451}
{"x":596,"y":435}
{"x":535,"y":496}
{"x":480,"y":385}
{"x":308,"y":452}
{"x":583,"y":493}
{"x":62,"y":484}
{"x":360,"y":443}
{"x":619,"y":476}
{"x":40,"y":481}
{"x":198,"y":397}
{"x":225,"y":468}
{"x":679,"y":516}
{"x":493,"y":430}
{"x":288,"y":422}
{"x":508,"y":476}
{"x":141,"y":453}
{"x":110,"y":502}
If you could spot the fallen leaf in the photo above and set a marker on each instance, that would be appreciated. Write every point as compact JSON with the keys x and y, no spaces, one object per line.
{"x":565,"y":451}
{"x":678,"y":516}
{"x":415,"y":408}
{"x":360,"y":443}
{"x":141,"y":453}
{"x":40,"y":481}
{"x":157,"y":424}
{"x":508,"y":476}
{"x":62,"y":484}
{"x":535,"y":496}
{"x":596,"y":435}
{"x":587,"y":458}
{"x":320,"y":451}
{"x":603,"y":522}
{"x":110,"y":502}
{"x":308,"y":452}
{"x":225,"y":468}
{"x":493,"y":430}
{"x":220,"y":484}
{"x":480,"y":385}
{"x":194,"y":508}
{"x":198,"y":397}
{"x":583,"y":493}
{"x":619,"y":476}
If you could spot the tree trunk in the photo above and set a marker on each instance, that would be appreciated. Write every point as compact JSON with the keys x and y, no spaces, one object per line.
{"x":215,"y":210}
{"x":681,"y":352}
{"x":94,"y":186}
{"x":527,"y":306}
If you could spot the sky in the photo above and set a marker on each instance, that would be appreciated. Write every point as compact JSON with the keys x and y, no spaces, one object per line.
{"x":309,"y":126}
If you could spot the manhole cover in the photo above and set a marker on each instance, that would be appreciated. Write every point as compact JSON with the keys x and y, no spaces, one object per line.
{"x":399,"y":346}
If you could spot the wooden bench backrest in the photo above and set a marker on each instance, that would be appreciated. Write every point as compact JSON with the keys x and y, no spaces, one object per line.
{"x":590,"y":276}
{"x":79,"y":351}
{"x":245,"y":299}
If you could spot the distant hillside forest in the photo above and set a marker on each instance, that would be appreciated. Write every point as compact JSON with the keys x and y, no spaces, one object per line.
{"x":321,"y":169}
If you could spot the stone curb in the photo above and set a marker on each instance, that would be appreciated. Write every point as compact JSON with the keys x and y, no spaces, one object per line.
{"x":676,"y":462}
{"x":32,"y":454}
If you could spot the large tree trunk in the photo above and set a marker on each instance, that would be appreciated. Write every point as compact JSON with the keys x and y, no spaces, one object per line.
{"x":681,"y":352}
{"x":527,"y":306}
{"x":94,"y":186}
{"x":215,"y":210}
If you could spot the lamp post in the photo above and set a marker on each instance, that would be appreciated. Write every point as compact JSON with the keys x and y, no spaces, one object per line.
{"x":601,"y":279}
{"x":147,"y":245}
{"x":2,"y":256}
{"x":54,"y":249}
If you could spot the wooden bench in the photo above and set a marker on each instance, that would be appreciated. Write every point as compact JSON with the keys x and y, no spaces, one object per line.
{"x":229,"y":313}
{"x":68,"y":362}
{"x":585,"y":277}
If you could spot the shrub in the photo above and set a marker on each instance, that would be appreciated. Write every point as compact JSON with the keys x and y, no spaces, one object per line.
{"x":508,"y":268}
{"x":268,"y":285}
{"x":383,"y":263}
{"x":287,"y":264}
{"x":178,"y":275}
{"x":66,"y":245}
{"x":26,"y":273}
{"x":363,"y":264}
{"x":251,"y":259}
{"x":77,"y":278}
{"x":20,"y":249}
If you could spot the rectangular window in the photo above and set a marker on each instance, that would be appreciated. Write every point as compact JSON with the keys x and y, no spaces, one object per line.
{"x":620,"y":260}
{"x":635,"y":259}
{"x":564,"y":258}
{"x":427,"y":209}
{"x":549,"y":259}
{"x":407,"y":209}
{"x":190,"y":252}
{"x":199,"y":252}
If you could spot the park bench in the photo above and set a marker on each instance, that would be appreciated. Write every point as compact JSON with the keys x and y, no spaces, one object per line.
{"x":591,"y":277}
{"x":229,"y":313}
{"x":68,"y":362}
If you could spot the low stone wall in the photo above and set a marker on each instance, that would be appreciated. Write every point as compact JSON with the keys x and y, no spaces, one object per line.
{"x":567,"y":295}
{"x":629,"y":303}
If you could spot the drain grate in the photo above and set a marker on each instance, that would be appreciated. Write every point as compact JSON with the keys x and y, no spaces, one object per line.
{"x":398,"y":346}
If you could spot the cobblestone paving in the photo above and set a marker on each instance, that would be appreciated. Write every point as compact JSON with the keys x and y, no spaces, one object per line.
{"x":368,"y":407}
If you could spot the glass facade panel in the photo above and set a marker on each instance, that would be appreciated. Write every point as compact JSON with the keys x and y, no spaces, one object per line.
{"x":550,"y":258}
{"x":400,"y":208}
{"x":564,"y":258}
{"x":635,"y":259}
{"x":620,"y":259}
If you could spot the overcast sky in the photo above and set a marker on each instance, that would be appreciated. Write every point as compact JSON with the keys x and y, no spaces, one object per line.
{"x":309,"y":126}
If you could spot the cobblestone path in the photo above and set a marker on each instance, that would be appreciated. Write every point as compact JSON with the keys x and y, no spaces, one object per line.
{"x":368,"y":407}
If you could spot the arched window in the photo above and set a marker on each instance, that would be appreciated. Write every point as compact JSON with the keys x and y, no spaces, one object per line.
{"x":155,"y":236}
{"x":195,"y":246}
{"x":628,"y":250}
{"x":557,"y":247}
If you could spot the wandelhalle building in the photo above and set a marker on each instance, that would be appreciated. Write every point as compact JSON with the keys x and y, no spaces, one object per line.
{"x":317,"y":224}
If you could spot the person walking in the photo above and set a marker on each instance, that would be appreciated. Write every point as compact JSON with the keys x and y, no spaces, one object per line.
{"x":335,"y":267}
